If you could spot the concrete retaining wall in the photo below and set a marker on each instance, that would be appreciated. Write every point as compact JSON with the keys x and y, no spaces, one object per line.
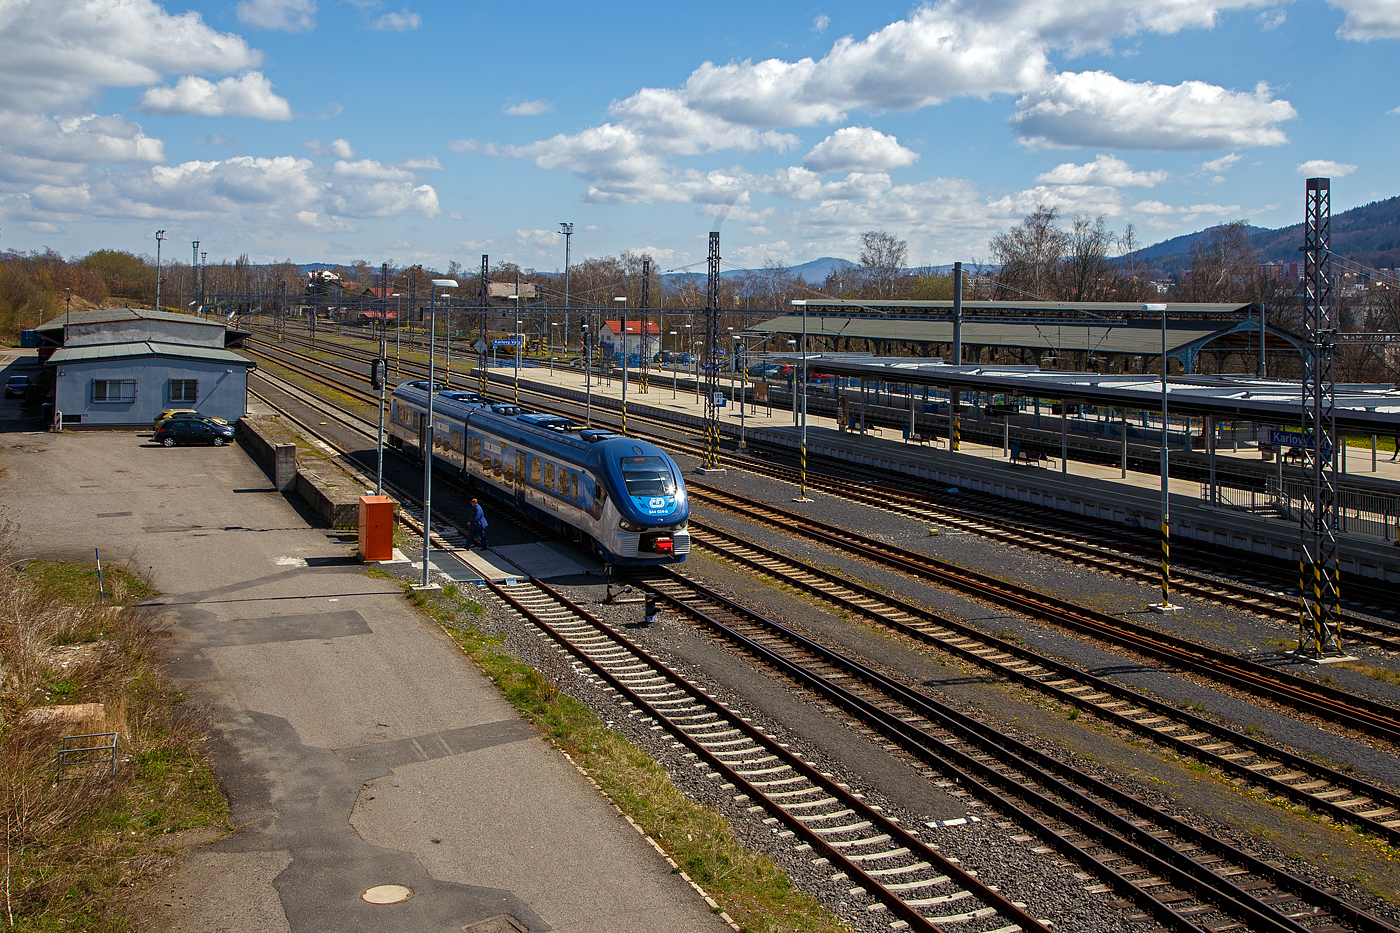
{"x":1093,"y":499}
{"x":338,"y":503}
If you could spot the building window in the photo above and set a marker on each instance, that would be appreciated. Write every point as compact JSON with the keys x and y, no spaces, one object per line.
{"x":184,"y":390}
{"x":114,"y":390}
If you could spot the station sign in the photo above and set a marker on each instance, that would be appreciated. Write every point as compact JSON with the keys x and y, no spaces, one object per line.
{"x":1298,"y":439}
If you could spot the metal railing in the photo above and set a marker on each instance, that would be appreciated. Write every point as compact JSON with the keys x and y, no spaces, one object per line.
{"x":1359,"y":512}
{"x":85,"y":754}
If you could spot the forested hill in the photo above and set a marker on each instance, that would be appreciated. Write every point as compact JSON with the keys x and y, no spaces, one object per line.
{"x":1369,"y":234}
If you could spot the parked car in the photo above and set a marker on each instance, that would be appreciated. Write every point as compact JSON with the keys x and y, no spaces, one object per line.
{"x":193,"y":431}
{"x":182,"y":413}
{"x":17,"y":386}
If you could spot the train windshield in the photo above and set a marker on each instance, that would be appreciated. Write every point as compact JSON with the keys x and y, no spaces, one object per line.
{"x":648,"y":476}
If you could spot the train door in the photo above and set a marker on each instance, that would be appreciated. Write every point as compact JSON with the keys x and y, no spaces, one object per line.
{"x":421,"y":420}
{"x":520,"y":467}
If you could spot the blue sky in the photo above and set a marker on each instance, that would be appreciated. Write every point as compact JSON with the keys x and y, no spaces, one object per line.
{"x":336,"y":130}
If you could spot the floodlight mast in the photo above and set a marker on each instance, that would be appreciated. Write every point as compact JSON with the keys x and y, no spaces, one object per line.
{"x":160,"y":235}
{"x":1166,"y":535}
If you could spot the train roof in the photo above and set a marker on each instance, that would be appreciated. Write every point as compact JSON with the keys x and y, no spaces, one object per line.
{"x":539,"y":425}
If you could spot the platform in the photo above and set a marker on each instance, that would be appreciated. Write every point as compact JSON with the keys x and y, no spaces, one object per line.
{"x":1092,"y":490}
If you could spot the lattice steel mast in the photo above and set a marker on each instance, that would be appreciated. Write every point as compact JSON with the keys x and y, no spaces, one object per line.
{"x":646,"y":322}
{"x":1319,"y":597}
{"x":485,"y":339}
{"x":710,"y":360}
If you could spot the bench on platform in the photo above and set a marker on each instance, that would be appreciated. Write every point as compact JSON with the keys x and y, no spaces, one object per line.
{"x":918,"y":437}
{"x":1029,"y":456}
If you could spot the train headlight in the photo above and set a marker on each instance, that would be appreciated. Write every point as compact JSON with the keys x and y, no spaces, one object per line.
{"x":681,"y":528}
{"x":625,"y":525}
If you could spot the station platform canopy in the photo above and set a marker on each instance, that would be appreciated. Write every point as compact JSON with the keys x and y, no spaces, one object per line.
{"x":1360,"y":408}
{"x":1119,"y":335}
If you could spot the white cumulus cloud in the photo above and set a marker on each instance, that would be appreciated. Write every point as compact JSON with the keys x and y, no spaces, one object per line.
{"x":1368,"y":19}
{"x":1096,"y":108}
{"x":1317,"y":168}
{"x":245,"y":189}
{"x":401,"y":21}
{"x":57,"y":150}
{"x":858,"y":148}
{"x":58,"y":53}
{"x":1104,"y":170}
{"x":336,"y":148}
{"x":1222,"y":164}
{"x":248,"y":95}
{"x":527,"y":108}
{"x":286,"y":15}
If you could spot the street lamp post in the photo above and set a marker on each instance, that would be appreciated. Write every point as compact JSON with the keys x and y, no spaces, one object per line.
{"x":160,"y":235}
{"x":621,"y":302}
{"x":673,"y":365}
{"x":587,"y":377}
{"x":426,"y":438}
{"x":517,"y":348}
{"x":1166,"y":605}
{"x":738,"y":343}
{"x":802,"y":482}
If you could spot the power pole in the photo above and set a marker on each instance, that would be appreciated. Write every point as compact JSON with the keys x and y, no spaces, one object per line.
{"x":1319,"y":599}
{"x":646,"y":322}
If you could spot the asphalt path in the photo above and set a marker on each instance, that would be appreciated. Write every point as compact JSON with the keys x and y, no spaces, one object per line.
{"x":356,"y":744}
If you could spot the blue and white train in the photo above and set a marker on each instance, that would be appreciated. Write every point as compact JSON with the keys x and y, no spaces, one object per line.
{"x":623,"y":496}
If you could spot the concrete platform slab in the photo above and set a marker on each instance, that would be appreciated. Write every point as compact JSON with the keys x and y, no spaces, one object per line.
{"x":357,"y":745}
{"x":543,"y":561}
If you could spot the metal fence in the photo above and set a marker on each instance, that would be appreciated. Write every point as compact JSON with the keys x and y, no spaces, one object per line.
{"x":1359,"y":512}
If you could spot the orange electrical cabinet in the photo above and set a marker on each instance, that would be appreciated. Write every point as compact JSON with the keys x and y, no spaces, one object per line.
{"x":376,"y":528}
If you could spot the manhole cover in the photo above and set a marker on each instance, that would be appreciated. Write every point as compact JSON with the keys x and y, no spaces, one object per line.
{"x":387,"y":894}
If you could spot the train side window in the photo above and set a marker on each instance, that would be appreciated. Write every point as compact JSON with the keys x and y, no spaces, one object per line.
{"x":536,"y":470}
{"x":547,"y":480}
{"x":496,"y":467}
{"x":575,"y":495}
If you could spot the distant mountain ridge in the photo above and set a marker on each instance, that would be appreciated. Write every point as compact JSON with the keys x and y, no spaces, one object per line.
{"x":1369,"y":235}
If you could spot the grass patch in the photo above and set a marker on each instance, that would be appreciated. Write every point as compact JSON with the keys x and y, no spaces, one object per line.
{"x":76,"y":584}
{"x":750,"y":887}
{"x":74,"y":848}
{"x":1383,"y":674}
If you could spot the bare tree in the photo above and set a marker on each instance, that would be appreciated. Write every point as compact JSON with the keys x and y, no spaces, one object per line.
{"x":1085,"y":272}
{"x":1028,"y":255}
{"x":882,"y":259}
{"x":1223,"y":266}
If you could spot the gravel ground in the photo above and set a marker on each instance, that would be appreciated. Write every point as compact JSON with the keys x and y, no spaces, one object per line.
{"x":1310,"y":848}
{"x":1199,"y":620}
{"x":997,"y":848}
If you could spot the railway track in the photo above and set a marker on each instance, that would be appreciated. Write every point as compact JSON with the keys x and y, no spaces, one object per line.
{"x":1176,"y":875}
{"x":1308,"y":697}
{"x":1124,"y":556}
{"x":1352,"y":711}
{"x":890,"y":868}
{"x":1333,"y":794}
{"x":1181,"y":876}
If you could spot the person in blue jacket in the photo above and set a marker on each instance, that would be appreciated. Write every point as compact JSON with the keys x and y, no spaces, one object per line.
{"x":478,"y":525}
